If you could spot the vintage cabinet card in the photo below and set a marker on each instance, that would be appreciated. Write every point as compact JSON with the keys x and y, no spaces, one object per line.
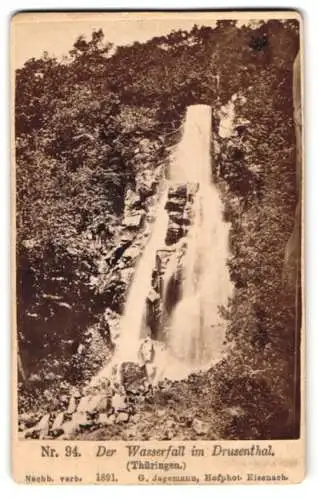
{"x":157,"y":163}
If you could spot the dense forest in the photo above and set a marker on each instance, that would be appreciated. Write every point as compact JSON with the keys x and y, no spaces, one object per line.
{"x":94,"y":132}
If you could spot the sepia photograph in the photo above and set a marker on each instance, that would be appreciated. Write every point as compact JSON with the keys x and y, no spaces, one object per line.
{"x":158,"y":189}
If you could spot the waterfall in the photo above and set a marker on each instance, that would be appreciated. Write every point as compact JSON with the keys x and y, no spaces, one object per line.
{"x":194,"y":329}
{"x":133,"y":320}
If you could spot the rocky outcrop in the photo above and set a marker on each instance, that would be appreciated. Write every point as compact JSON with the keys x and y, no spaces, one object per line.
{"x":175,"y":206}
{"x":153,"y":308}
{"x":179,"y":208}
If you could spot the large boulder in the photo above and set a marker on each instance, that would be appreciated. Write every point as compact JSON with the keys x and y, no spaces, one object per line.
{"x":153,"y":311}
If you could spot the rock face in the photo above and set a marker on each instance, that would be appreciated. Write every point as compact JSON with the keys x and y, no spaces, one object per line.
{"x":175,"y":206}
{"x":179,"y":207}
{"x":153,"y":311}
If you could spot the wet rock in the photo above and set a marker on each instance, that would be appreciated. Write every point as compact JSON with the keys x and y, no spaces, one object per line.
{"x":153,"y":312}
{"x":177,"y":217}
{"x":162,"y":259}
{"x":173,"y":290}
{"x":153,"y":296}
{"x":174,"y":233}
{"x":175,"y":205}
{"x":179,"y":208}
{"x":178,"y":190}
{"x":200,"y":427}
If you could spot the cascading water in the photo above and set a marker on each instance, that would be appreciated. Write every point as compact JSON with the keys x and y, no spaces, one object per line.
{"x":194,"y":329}
{"x":133,"y":320}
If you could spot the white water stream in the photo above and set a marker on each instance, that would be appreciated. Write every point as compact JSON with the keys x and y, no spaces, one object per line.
{"x":197,"y":330}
